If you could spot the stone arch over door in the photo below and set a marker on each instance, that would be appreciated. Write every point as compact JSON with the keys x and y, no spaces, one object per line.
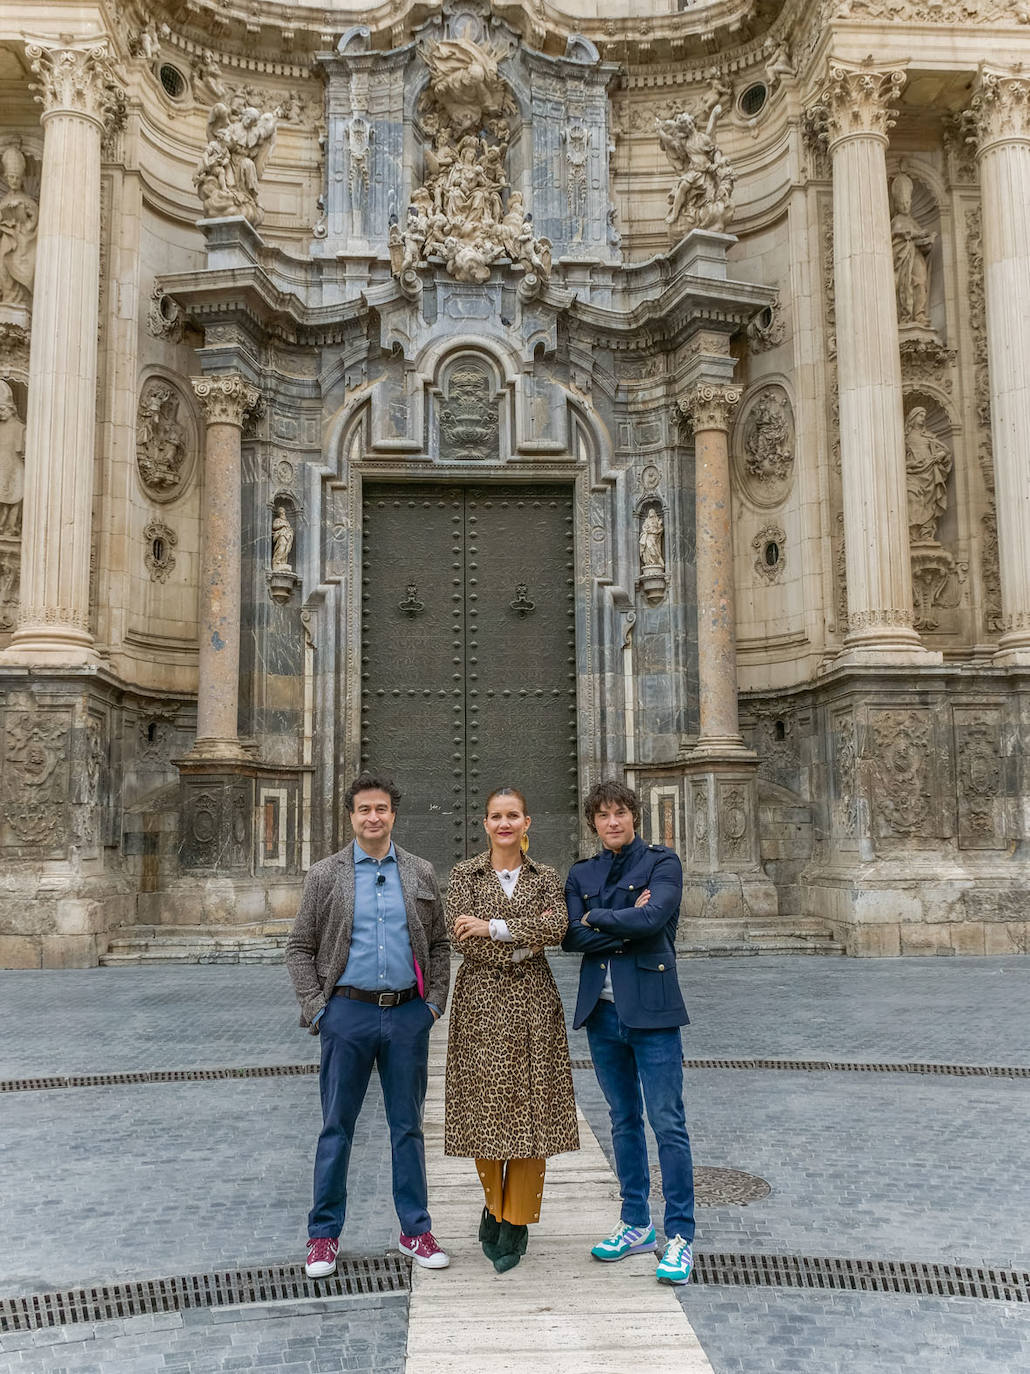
{"x":336,"y":569}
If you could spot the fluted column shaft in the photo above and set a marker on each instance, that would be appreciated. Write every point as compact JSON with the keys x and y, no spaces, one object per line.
{"x":75,"y":88}
{"x":855,"y":110}
{"x":225,"y":401}
{"x":1001,"y":112}
{"x":709,"y":407}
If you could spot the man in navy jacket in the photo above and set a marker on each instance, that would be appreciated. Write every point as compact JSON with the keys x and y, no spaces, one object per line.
{"x":623,"y":911}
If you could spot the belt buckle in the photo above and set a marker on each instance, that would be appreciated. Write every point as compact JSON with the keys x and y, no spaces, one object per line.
{"x":389,"y":999}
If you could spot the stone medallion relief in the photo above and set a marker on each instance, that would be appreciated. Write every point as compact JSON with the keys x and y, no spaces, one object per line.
{"x":764,"y":446}
{"x":166,"y":442}
{"x":469,"y":422}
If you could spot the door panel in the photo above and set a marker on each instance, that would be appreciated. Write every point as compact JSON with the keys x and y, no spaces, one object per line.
{"x":469,"y":681}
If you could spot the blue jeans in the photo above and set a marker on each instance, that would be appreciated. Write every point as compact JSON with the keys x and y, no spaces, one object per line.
{"x":354,"y":1036}
{"x":628,"y":1060}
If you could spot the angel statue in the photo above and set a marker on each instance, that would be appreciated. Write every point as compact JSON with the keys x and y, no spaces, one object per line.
{"x":239,"y":141}
{"x":704,"y":191}
{"x":466,"y":82}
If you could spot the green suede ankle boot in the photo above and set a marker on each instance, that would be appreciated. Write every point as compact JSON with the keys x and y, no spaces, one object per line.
{"x":489,"y":1230}
{"x":511,"y":1245}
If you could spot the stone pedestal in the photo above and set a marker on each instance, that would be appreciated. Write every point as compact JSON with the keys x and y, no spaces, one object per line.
{"x":225,"y":401}
{"x":77,"y":91}
{"x":1001,"y":116}
{"x":854,"y":111}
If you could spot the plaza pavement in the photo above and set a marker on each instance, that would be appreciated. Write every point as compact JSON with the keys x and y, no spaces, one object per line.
{"x":145,"y":1180}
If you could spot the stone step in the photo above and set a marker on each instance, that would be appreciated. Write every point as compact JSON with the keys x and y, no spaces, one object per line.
{"x":136,"y":945}
{"x":724,"y":939}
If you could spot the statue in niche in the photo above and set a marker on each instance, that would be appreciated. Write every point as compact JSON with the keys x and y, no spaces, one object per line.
{"x":239,"y":141}
{"x":927,"y":468}
{"x":464,"y":212}
{"x":912,"y":247}
{"x":282,"y":541}
{"x":19,"y":217}
{"x":12,"y":464}
{"x":704,"y":191}
{"x":652,"y":541}
{"x":160,"y":440}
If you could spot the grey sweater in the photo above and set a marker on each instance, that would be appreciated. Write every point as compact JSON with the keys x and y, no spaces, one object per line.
{"x":319,"y":943}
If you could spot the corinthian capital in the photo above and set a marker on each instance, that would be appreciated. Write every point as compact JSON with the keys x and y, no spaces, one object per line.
{"x":79,"y":80}
{"x":225,"y":400}
{"x":709,"y":405}
{"x":1000,"y":109}
{"x":855,"y":100}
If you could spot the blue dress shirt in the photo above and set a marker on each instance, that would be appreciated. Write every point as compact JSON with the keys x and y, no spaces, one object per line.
{"x":380,"y":957}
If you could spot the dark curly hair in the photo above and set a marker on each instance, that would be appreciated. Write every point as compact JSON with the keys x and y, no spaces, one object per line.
{"x":367,"y":781}
{"x":610,"y":792}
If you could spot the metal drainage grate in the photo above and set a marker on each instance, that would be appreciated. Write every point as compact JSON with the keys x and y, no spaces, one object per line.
{"x":110,"y":1080}
{"x":114,"y":1080}
{"x":229,"y":1288}
{"x":849,"y":1066}
{"x":863,"y":1276}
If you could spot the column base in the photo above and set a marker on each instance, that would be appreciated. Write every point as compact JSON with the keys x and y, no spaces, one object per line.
{"x":1013,"y":652}
{"x":910,"y":654}
{"x":723,"y":749}
{"x":217,"y":751}
{"x":38,"y":647}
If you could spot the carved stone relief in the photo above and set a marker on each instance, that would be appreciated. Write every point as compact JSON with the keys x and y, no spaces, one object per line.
{"x":702,"y":197}
{"x":166,"y":319}
{"x":770,"y":545}
{"x":464,"y":213}
{"x":159,"y":557}
{"x":767,"y":329}
{"x":165,"y":440}
{"x":35,"y":776}
{"x":12,"y":464}
{"x":699,"y":808}
{"x":734,"y":823}
{"x":901,"y":761}
{"x":979,"y":778}
{"x":776,"y":743}
{"x":239,"y":140}
{"x":19,"y":218}
{"x":469,"y":425}
{"x":764,"y":447}
{"x":845,"y":765}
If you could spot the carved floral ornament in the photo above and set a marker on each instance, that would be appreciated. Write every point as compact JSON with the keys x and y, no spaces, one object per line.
{"x":77,"y":79}
{"x":855,"y":100}
{"x":1000,"y":109}
{"x":225,"y":400}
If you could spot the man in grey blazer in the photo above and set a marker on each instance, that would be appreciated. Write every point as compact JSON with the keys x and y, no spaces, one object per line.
{"x":370,"y":963}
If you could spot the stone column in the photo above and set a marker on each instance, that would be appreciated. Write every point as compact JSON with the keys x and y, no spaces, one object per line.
{"x":225,"y":401}
{"x":79,"y":97}
{"x":1000,"y":115}
{"x":709,"y":406}
{"x":854,"y":115}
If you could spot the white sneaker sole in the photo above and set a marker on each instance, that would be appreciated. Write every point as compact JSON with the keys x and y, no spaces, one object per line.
{"x":322,"y":1270}
{"x":438,"y":1261}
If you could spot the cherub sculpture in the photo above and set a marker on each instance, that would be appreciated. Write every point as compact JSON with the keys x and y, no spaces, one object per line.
{"x":704,"y":191}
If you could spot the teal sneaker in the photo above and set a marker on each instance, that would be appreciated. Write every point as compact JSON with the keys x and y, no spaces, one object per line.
{"x":675,"y":1265}
{"x":625,"y":1240}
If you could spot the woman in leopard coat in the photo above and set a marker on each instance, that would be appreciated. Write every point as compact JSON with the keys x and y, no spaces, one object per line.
{"x":510,"y":1101}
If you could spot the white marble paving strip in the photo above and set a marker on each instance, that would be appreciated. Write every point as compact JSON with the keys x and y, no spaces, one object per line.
{"x":559,"y":1311}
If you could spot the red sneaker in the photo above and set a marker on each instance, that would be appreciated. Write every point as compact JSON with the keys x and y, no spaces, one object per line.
{"x":321,"y":1262}
{"x":424,"y":1250}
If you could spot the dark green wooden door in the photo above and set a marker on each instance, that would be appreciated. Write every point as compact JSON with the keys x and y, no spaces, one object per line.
{"x":468,"y":666}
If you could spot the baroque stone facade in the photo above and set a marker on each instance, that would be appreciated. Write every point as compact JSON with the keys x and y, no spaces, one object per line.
{"x":619,"y":392}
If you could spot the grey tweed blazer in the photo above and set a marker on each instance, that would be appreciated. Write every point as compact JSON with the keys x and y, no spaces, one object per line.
{"x":319,"y":943}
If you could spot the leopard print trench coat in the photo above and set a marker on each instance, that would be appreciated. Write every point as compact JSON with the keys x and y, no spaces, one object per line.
{"x":509,"y":1082}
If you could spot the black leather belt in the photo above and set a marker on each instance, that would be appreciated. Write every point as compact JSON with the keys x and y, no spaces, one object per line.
{"x":381,"y":999}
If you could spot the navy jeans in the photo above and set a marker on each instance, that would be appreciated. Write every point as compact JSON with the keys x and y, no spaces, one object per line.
{"x":626,"y":1060}
{"x":356,"y":1035}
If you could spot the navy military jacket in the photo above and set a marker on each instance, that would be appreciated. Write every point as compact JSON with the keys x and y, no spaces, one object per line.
{"x":638,"y":944}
